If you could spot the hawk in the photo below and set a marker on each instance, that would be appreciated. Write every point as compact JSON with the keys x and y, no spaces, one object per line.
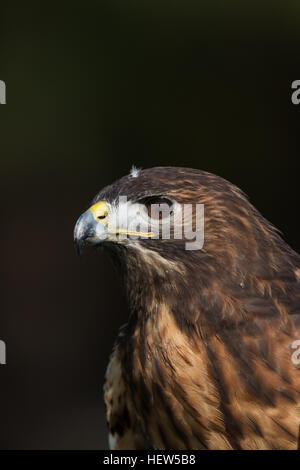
{"x":207,"y":359}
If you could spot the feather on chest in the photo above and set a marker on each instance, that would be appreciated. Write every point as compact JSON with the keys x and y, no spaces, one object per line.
{"x":184,"y":393}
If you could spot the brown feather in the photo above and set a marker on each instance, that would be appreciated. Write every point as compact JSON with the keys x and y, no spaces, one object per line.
{"x":205,"y":359}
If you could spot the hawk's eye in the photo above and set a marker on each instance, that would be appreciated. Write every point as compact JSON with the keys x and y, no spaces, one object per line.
{"x":158,"y":207}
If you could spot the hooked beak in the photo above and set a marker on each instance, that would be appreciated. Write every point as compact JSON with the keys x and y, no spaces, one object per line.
{"x":91,"y":227}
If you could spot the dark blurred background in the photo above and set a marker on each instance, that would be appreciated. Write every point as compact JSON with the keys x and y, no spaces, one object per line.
{"x":93,"y":87}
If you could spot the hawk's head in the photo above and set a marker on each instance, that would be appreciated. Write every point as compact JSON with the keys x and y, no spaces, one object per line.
{"x":178,"y":232}
{"x":159,"y":209}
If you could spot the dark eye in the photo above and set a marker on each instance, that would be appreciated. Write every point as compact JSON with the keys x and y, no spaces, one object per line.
{"x":158,"y":207}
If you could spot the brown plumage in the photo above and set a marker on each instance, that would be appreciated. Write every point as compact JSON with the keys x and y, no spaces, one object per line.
{"x":205,"y":360}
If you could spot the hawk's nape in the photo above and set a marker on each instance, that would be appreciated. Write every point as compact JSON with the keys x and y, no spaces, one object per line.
{"x":208,"y":357}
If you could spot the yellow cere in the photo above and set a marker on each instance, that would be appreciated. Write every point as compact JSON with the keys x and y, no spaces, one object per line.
{"x":99,"y":210}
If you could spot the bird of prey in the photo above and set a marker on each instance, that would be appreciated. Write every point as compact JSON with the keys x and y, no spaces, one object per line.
{"x":208,"y":358}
